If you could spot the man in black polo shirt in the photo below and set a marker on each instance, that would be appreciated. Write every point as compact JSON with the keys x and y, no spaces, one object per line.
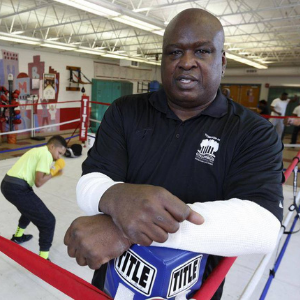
{"x":183,"y":167}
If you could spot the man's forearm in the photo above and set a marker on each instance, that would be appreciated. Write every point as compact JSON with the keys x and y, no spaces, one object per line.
{"x":233,"y":227}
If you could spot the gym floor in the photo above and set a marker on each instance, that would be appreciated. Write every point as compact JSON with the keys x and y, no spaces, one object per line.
{"x":59,"y":195}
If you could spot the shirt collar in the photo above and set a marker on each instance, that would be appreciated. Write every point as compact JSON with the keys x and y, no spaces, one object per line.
{"x":217,"y":109}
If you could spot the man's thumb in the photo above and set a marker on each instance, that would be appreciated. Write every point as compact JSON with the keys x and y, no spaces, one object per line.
{"x":195,"y":218}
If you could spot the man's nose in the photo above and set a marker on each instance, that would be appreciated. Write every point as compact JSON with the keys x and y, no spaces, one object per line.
{"x":188,"y":60}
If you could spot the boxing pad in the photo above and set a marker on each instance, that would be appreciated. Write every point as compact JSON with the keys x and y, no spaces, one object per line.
{"x":58,"y":165}
{"x":154,"y":273}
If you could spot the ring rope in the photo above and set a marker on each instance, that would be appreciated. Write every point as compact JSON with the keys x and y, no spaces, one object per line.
{"x":103,"y":103}
{"x":36,"y":128}
{"x":94,"y":120}
{"x":33,"y":146}
{"x":38,"y":103}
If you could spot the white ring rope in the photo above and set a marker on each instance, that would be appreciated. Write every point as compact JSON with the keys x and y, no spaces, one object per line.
{"x":252,"y":284}
{"x":93,"y":120}
{"x":291,"y":145}
{"x":37,"y":128}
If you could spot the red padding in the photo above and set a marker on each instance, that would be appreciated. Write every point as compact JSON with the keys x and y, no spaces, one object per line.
{"x":103,"y":103}
{"x":214,"y":280}
{"x":61,"y":279}
{"x":279,"y":117}
{"x":291,"y":167}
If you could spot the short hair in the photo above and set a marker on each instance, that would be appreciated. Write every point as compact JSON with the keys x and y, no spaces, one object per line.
{"x":284,"y":94}
{"x":57,"y":141}
{"x":263,"y":101}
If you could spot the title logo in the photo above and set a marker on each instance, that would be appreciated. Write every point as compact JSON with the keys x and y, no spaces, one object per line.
{"x":136,"y":272}
{"x":184,"y":276}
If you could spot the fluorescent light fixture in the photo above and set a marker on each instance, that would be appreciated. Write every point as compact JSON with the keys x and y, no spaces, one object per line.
{"x":18,"y":32}
{"x":114,"y":14}
{"x":52,"y":39}
{"x":56,"y":46}
{"x":136,"y":23}
{"x":114,"y":56}
{"x":90,"y":7}
{"x":159,"y":32}
{"x":90,"y":51}
{"x":245,"y":61}
{"x":25,"y":40}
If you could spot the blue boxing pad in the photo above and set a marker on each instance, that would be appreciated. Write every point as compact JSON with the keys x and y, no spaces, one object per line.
{"x":146,"y":272}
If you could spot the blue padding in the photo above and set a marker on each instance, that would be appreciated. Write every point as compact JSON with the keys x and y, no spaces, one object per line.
{"x":156,"y":272}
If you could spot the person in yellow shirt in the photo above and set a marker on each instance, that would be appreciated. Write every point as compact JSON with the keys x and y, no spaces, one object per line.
{"x":34,"y":168}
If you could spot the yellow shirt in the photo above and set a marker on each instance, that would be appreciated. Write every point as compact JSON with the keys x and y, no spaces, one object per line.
{"x":36,"y":159}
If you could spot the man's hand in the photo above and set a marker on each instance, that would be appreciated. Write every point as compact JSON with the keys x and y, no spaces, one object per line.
{"x":146,"y":213}
{"x":95,"y":240}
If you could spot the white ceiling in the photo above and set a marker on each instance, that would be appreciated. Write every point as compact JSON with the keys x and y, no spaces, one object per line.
{"x":265,"y":31}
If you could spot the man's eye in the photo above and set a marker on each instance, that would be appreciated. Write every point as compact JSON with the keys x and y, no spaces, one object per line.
{"x":203,"y":51}
{"x":175,"y":52}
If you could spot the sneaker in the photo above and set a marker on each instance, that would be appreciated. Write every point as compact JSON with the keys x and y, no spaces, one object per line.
{"x":21,"y":239}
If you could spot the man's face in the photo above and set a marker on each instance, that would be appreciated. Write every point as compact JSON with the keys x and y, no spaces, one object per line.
{"x":56,"y":151}
{"x":192,"y":63}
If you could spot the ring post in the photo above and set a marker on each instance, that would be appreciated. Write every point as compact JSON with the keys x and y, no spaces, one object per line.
{"x":84,"y":118}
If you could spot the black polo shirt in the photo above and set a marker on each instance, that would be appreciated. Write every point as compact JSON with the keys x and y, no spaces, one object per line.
{"x":225,"y":152}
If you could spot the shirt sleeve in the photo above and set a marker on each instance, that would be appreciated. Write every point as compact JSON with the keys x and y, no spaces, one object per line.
{"x":255,"y":171}
{"x":44,"y":163}
{"x":273,"y":103}
{"x":109,"y":154}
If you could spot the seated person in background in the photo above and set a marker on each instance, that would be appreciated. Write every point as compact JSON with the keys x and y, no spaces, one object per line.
{"x":34,"y":168}
{"x":262,"y":108}
{"x":183,"y":167}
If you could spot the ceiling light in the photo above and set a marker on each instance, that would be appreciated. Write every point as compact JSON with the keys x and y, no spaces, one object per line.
{"x":56,"y":46}
{"x":116,"y":14}
{"x":136,"y":23}
{"x":245,"y":61}
{"x":159,"y":32}
{"x":23,"y":40}
{"x":89,"y":51}
{"x":18,"y":32}
{"x":53,"y":39}
{"x":90,"y":7}
{"x":114,"y":56}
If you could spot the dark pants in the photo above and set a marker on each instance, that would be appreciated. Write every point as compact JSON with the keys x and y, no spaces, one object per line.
{"x":295,"y":134}
{"x":31,"y":207}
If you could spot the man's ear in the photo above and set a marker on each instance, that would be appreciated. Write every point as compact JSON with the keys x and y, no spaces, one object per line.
{"x":224,"y":63}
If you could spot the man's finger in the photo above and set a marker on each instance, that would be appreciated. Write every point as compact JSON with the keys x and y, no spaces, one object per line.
{"x":195,"y":218}
{"x":177,"y":208}
{"x":67,"y":237}
{"x":81,"y":259}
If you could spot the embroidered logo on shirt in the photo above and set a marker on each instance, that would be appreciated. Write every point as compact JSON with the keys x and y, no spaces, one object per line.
{"x":208,"y":147}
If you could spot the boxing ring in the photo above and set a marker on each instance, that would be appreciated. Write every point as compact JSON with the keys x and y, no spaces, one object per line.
{"x":77,"y":288}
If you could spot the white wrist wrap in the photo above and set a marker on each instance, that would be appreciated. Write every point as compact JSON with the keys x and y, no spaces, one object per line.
{"x":90,"y":189}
